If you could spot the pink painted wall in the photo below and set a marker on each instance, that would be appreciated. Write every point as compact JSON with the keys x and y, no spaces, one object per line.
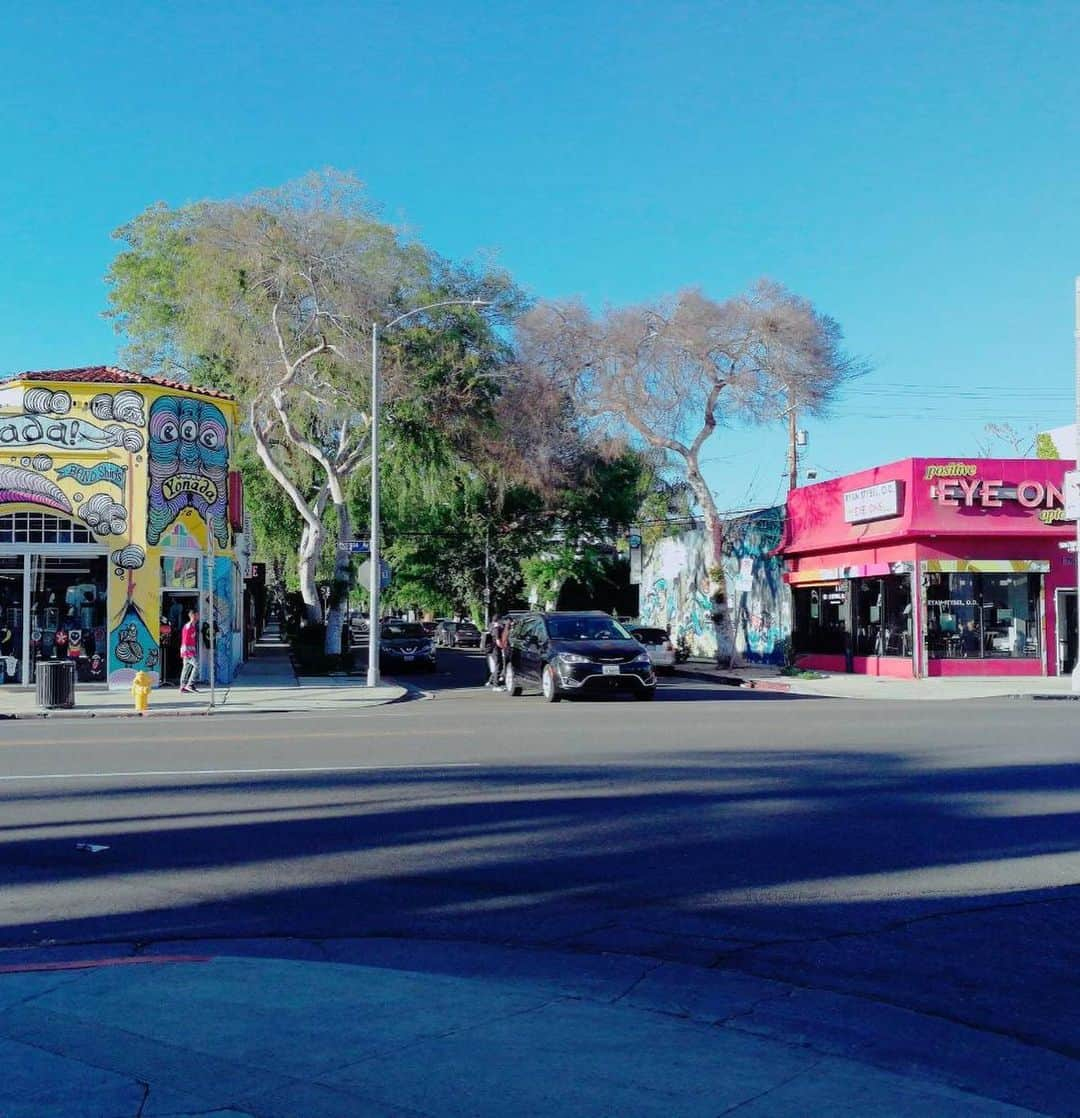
{"x":815,"y":519}
{"x":925,"y":528}
{"x":895,"y":667}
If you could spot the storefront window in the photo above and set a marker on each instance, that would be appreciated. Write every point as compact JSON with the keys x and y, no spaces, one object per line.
{"x":68,"y":613}
{"x":882,"y":616}
{"x":180,"y":572}
{"x":820,"y":618}
{"x":41,"y":527}
{"x":11,"y":618}
{"x":982,"y":616}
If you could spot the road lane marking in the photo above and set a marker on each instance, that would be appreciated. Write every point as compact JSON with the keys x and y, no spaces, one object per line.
{"x":94,"y":964}
{"x":344,"y":732}
{"x":246,"y":772}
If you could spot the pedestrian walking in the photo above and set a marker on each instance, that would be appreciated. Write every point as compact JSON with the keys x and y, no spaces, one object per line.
{"x":189,"y":652}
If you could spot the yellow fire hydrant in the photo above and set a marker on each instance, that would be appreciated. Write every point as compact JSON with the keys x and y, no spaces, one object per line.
{"x":140,"y":688}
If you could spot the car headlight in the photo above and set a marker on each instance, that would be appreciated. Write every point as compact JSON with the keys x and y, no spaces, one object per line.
{"x":641,"y":662}
{"x":573,"y":658}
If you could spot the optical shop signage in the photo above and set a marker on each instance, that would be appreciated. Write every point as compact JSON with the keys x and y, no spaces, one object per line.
{"x":874,"y":502}
{"x":957,"y":485}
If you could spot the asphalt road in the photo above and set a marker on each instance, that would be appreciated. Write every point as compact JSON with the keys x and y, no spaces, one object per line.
{"x":920,"y":855}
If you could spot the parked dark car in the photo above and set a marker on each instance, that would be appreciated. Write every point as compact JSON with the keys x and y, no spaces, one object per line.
{"x":579,"y":653}
{"x":404,"y":644}
{"x":466,"y":635}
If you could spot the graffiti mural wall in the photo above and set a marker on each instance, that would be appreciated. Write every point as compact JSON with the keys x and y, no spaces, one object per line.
{"x":675,"y":591}
{"x":759,"y":599}
{"x":101,"y":473}
{"x":675,"y":588}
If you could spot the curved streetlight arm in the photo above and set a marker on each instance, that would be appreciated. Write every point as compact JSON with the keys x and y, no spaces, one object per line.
{"x":431,"y":307}
{"x":375,"y":559}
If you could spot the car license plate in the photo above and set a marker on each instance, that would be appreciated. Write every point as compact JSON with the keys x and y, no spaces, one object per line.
{"x":410,"y":656}
{"x":611,"y":669}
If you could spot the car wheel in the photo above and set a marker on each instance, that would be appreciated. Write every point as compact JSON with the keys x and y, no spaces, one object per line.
{"x":645,"y":694}
{"x":549,"y":685}
{"x":510,"y":681}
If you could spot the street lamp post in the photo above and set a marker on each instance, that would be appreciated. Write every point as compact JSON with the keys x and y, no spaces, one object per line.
{"x":375,"y":560}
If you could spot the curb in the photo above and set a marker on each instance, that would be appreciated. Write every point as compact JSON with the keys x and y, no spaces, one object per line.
{"x":202,"y":712}
{"x":735,"y":681}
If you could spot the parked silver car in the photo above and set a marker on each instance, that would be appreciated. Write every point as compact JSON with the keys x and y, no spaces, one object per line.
{"x":659,"y":646}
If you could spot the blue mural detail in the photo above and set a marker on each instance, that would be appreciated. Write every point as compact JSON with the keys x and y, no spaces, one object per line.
{"x":761,"y":613}
{"x":131,"y":647}
{"x":100,"y":471}
{"x":223,"y":607}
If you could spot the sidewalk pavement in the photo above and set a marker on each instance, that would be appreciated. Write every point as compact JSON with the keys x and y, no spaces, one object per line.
{"x":842,"y":686}
{"x":265,"y":684}
{"x":381,"y":1028}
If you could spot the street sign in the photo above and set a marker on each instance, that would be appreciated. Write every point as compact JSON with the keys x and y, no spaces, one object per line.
{"x":363,"y":575}
{"x":360,"y":547}
{"x":1072,"y":495}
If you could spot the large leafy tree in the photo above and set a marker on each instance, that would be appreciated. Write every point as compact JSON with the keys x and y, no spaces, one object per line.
{"x":274,"y":295}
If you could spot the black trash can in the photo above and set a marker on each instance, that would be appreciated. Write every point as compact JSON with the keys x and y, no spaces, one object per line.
{"x":55,"y":684}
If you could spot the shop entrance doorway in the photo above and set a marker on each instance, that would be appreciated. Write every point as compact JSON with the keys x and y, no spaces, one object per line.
{"x":174,"y":615}
{"x":1067,"y":635}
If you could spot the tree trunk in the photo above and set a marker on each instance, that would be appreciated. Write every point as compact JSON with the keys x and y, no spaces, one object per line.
{"x":307,"y":564}
{"x":339,"y":591}
{"x":723,"y":619}
{"x":311,"y":540}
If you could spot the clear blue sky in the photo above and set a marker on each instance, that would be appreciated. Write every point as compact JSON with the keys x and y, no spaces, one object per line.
{"x":913,"y":168}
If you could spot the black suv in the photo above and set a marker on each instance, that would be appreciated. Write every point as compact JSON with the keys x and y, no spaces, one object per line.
{"x":578,"y":653}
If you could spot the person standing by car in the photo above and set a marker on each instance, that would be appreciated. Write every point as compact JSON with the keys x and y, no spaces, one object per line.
{"x":497,"y":656}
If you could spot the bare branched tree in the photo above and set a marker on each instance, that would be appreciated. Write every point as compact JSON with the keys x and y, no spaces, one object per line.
{"x":672,"y":373}
{"x":1003,"y":439}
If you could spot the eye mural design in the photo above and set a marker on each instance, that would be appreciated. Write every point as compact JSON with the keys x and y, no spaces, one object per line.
{"x":188,"y":464}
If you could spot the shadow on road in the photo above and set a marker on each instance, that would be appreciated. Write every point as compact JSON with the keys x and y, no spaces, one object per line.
{"x":948,"y":891}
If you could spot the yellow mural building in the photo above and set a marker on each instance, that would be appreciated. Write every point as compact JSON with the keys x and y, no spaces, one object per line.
{"x":118,"y":514}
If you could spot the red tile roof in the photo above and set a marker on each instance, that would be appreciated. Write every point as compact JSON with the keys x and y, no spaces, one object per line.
{"x":109,"y":374}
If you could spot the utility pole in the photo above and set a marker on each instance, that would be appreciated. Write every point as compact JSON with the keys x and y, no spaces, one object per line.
{"x":487,"y":569}
{"x":793,"y":451}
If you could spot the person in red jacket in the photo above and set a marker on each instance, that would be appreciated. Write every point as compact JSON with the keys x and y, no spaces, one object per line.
{"x":189,"y":652}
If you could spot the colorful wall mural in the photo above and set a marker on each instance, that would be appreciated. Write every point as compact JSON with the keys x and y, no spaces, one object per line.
{"x":189,"y":465}
{"x":124,"y":472}
{"x":753,"y":574}
{"x":675,"y":588}
{"x":675,"y":591}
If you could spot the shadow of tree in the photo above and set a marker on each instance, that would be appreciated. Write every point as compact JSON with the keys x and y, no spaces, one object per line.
{"x":949,"y":891}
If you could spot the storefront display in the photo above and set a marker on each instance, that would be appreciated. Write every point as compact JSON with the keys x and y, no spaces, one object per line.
{"x":934,"y":567}
{"x":115,"y":492}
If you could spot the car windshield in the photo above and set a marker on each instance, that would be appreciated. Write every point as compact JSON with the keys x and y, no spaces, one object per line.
{"x":468,"y":628}
{"x":402,"y":629}
{"x":649,"y":636}
{"x":586,"y":629}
